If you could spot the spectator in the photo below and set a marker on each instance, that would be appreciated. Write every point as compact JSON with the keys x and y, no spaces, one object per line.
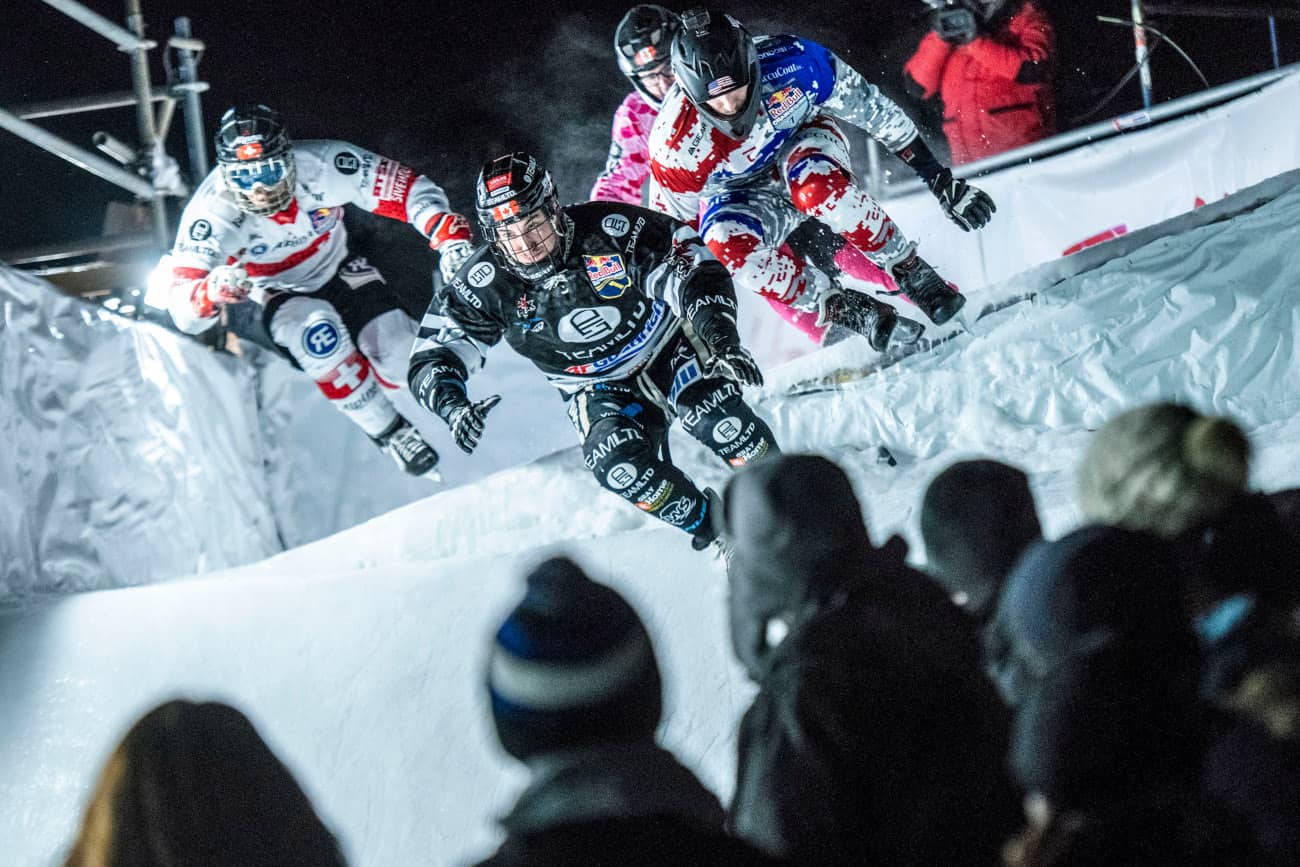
{"x":977,"y":517}
{"x":990,"y":62}
{"x":1091,"y":647}
{"x":576,"y":696}
{"x":194,"y":785}
{"x":874,"y":738}
{"x":1183,"y":475}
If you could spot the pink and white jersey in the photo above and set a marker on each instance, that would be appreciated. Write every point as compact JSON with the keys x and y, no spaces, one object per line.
{"x":628,"y":163}
{"x":300,"y":248}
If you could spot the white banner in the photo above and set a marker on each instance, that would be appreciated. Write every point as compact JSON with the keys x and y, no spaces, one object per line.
{"x":1058,"y":205}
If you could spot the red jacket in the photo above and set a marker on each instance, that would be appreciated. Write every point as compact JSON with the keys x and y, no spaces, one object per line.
{"x":996,"y":90}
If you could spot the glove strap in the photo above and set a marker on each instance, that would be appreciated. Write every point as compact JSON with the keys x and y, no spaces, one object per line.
{"x":918,"y":155}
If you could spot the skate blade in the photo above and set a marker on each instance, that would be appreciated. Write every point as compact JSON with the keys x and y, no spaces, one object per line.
{"x":906,"y":332}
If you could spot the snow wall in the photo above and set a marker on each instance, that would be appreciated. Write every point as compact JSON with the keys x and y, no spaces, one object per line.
{"x":360,"y":657}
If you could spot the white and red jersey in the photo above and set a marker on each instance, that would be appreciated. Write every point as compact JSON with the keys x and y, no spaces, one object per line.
{"x":800,"y":81}
{"x":628,"y":163}
{"x":300,"y":248}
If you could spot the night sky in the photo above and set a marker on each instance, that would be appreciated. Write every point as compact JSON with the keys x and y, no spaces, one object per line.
{"x":444,"y":85}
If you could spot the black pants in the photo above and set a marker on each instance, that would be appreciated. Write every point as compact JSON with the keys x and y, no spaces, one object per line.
{"x":388,"y":266}
{"x":624,"y":430}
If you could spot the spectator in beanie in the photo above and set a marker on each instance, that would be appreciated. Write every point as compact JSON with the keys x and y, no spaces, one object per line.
{"x":1183,"y":475}
{"x":576,"y":696}
{"x":1091,"y":647}
{"x":194,"y":785}
{"x":1169,"y":470}
{"x":874,"y":737}
{"x":977,"y":517}
{"x":990,"y":63}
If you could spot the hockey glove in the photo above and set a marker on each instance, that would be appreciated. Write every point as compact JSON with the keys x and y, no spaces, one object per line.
{"x":227,"y":284}
{"x":466,"y":421}
{"x":969,"y":207}
{"x":451,"y":255}
{"x":735,"y":362}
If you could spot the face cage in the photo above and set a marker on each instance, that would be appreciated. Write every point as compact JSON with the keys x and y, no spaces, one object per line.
{"x":548,"y":264}
{"x":280,"y":193}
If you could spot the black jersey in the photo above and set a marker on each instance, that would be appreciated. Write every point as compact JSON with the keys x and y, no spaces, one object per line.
{"x":629,"y":279}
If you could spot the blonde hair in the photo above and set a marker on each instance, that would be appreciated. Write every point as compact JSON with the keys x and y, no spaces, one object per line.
{"x":1163,"y":468}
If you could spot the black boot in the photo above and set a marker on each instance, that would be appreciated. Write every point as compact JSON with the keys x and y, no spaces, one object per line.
{"x":874,"y":320}
{"x":405,"y":445}
{"x":710,"y":529}
{"x":926,"y":289}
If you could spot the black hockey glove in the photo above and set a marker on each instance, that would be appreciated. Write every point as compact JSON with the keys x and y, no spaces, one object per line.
{"x":466,"y":420}
{"x":967,"y":206}
{"x":735,"y":362}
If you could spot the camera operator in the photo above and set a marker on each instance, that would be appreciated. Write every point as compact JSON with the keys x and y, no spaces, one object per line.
{"x":990,"y":62}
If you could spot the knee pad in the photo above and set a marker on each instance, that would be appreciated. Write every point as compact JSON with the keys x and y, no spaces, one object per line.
{"x":817,"y":185}
{"x":619,"y":454}
{"x":715,"y":413}
{"x":386,"y":341}
{"x":312,"y":331}
{"x":754,"y":265}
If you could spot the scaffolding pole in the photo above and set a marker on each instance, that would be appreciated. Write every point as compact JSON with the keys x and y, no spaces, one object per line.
{"x":190,"y":86}
{"x":124,"y":39}
{"x":79,"y":157}
{"x":1143,"y":55}
{"x":145,"y":118}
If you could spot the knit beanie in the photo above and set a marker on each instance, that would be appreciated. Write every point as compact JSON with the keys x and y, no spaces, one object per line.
{"x":977,"y":518}
{"x":572,"y":666}
{"x":1164,"y":469}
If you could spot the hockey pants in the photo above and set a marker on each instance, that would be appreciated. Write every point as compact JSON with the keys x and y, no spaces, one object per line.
{"x":624,"y":430}
{"x":745,"y":227}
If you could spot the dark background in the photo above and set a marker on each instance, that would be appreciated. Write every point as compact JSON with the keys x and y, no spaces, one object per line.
{"x":443,"y":85}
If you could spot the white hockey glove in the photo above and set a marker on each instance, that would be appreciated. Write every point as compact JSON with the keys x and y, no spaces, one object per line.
{"x":451,"y":255}
{"x":227,"y":284}
{"x":969,"y":207}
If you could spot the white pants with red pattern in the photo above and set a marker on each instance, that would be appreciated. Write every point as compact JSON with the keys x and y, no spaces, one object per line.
{"x":357,"y":376}
{"x":746,"y":227}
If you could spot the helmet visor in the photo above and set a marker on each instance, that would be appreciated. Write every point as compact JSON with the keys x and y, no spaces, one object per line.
{"x":266,"y":173}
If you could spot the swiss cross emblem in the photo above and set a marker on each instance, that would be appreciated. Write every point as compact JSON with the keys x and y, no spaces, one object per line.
{"x":250,"y":151}
{"x":645,"y":55}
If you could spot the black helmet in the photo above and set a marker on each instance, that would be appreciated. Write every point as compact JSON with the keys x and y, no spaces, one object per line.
{"x":509,"y":190}
{"x":253,"y":150}
{"x":643,"y":41}
{"x":712,"y":55}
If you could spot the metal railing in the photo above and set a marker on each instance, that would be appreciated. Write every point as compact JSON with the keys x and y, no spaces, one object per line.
{"x":1101,"y":130}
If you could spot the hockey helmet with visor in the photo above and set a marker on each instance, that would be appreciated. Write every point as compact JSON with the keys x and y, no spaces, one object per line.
{"x":519,"y":213}
{"x":255,"y":158}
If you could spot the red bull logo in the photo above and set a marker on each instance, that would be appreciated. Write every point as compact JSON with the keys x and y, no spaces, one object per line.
{"x":784,"y":102}
{"x":607,"y":275}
